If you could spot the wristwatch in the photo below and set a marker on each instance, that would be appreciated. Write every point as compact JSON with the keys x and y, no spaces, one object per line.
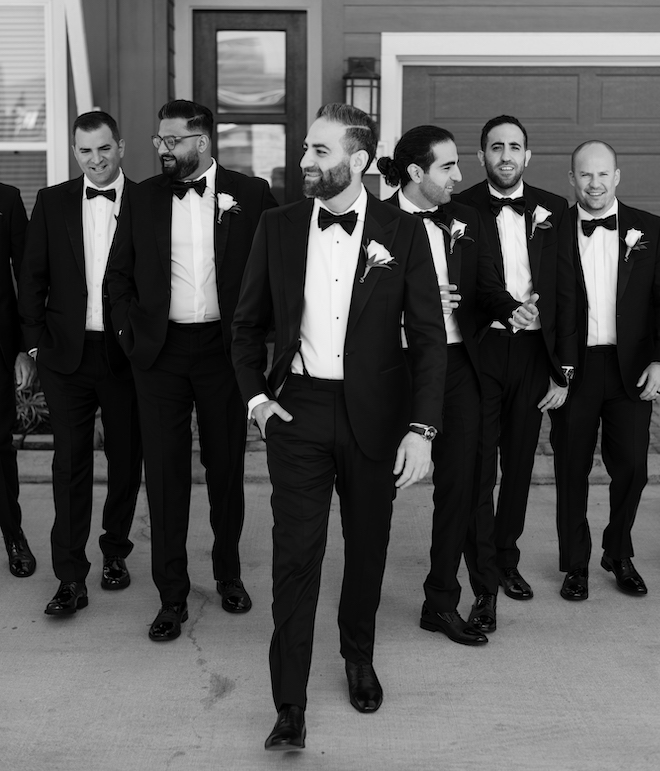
{"x":569,"y":372}
{"x":426,"y":432}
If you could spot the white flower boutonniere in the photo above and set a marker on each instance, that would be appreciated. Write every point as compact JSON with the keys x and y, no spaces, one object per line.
{"x":226,"y":203}
{"x":540,"y":218}
{"x":456,"y":232}
{"x":376,"y":256}
{"x":634,"y":243}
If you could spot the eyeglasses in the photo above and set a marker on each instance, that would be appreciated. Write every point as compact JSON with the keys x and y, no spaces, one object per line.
{"x":171,"y":142}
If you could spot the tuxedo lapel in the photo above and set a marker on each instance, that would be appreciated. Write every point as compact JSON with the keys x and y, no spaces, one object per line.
{"x":223,"y":184}
{"x":535,"y":242}
{"x":454,"y":258}
{"x":379,"y":226}
{"x":72,"y":204}
{"x":626,"y":220}
{"x":572,"y":213}
{"x":162,"y":222}
{"x":481,"y":201}
{"x":294,"y":259}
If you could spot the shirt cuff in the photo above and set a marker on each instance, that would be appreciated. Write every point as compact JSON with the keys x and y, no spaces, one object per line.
{"x":254,"y":401}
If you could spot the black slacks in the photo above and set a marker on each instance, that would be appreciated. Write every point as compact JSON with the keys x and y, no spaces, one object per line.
{"x":192,"y":368}
{"x":72,"y":402}
{"x":515,"y":375}
{"x":10,"y":511}
{"x":306,"y":458}
{"x":454,"y":456}
{"x":600,"y":399}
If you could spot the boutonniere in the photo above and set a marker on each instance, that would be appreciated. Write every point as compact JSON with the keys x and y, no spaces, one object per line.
{"x":634,"y":243}
{"x":376,"y":256}
{"x":456,"y":232}
{"x":226,"y":203}
{"x":540,"y":218}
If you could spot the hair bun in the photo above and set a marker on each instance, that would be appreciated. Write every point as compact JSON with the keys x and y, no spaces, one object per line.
{"x":389,"y":170}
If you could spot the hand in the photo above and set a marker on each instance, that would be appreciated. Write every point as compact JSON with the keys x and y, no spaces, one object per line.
{"x":650,"y":379}
{"x":25,"y":371}
{"x":263,"y":411}
{"x":555,"y":397}
{"x":449,"y":301}
{"x":524,"y":314}
{"x":413,"y":460}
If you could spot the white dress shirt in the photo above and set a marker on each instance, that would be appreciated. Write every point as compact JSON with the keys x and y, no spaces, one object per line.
{"x":437,"y":243}
{"x":599,"y":256}
{"x":99,"y":217}
{"x":194,"y":297}
{"x":512,"y":230}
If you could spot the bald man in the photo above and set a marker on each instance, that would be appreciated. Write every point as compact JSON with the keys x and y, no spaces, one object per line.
{"x":617,"y":268}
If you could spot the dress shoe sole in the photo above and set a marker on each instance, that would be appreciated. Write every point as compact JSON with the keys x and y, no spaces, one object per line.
{"x":170,"y":637}
{"x":575,"y":598}
{"x":287,"y":746}
{"x":82,"y":602}
{"x":624,"y":589}
{"x":429,"y":627}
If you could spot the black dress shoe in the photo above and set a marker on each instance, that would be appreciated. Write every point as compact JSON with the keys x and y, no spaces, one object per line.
{"x":21,"y":560}
{"x":515,"y":585}
{"x":234,"y":597}
{"x":364,"y":690}
{"x":482,"y":615}
{"x":289,"y":732}
{"x":576,"y":585}
{"x":70,"y":597}
{"x":167,"y":624}
{"x":115,"y":573}
{"x":452,"y":625}
{"x":627,"y":578}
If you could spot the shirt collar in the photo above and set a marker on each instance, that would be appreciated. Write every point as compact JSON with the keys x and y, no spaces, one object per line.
{"x":517,"y":193}
{"x":117,"y":185}
{"x":359,"y":206}
{"x":209,"y":176}
{"x":584,"y":215}
{"x":408,"y":206}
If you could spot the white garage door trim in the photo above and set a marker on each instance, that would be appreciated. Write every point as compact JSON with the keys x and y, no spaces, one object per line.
{"x":483,"y":49}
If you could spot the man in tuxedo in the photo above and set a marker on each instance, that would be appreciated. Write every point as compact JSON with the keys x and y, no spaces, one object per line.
{"x":173,"y":287}
{"x":14,"y":363}
{"x":617,"y":269}
{"x":523,"y":373}
{"x":425,"y":165}
{"x":67,"y":329}
{"x":335,"y":272}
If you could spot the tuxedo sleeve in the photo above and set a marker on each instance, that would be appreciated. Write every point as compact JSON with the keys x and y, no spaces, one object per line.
{"x":425,"y":331}
{"x":34,"y":276}
{"x":566,"y":345}
{"x":119,"y":273}
{"x":493,"y":299}
{"x":17,"y":227}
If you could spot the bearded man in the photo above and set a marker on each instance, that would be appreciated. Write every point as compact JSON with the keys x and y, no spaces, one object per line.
{"x":339,"y":408}
{"x":173,"y":288}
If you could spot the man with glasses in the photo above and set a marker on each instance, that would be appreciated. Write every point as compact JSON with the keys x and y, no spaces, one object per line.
{"x":173,"y":287}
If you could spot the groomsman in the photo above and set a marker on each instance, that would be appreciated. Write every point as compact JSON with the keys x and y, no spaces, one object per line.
{"x":173,"y":286}
{"x":617,"y":269}
{"x":425,"y":165}
{"x":339,"y":408}
{"x":14,"y":363}
{"x":67,"y":329}
{"x":524,"y":373}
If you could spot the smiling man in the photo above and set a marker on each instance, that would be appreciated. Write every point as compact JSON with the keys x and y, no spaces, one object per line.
{"x":338,"y":409}
{"x":173,"y":286}
{"x":526,"y":373}
{"x":617,"y":266}
{"x":67,"y":329}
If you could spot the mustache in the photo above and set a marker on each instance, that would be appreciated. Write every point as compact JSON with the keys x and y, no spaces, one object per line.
{"x":313,"y":169}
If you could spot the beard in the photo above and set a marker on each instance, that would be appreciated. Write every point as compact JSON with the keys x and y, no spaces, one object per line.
{"x":503,"y":182}
{"x":332,"y":182}
{"x":182,"y":167}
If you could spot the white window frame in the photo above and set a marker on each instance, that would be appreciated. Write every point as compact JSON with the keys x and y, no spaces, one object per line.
{"x":484,"y":49}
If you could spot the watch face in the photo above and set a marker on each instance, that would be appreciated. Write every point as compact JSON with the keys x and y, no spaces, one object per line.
{"x":430,"y":433}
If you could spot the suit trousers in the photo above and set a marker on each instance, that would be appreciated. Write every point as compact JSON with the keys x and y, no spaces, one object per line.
{"x":515,"y":374}
{"x":454,"y":456}
{"x":10,"y":511}
{"x":72,"y":402}
{"x":600,"y":399}
{"x":306,"y":458}
{"x":192,"y":369}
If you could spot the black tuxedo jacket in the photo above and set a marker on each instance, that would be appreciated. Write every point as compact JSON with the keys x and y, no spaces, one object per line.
{"x":377,"y":387}
{"x":52,"y":298}
{"x":13,"y":222}
{"x":471,"y":267}
{"x":139,"y":275}
{"x":637,"y":298}
{"x":551,"y":263}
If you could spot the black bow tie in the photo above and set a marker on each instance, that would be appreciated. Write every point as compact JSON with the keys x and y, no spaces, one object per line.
{"x":181,"y":187}
{"x":497,"y":204}
{"x":437,"y":216}
{"x":588,"y":226}
{"x":92,"y":192}
{"x":348,"y":221}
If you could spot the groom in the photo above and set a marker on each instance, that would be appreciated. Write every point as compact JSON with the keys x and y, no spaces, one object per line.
{"x":339,"y":408}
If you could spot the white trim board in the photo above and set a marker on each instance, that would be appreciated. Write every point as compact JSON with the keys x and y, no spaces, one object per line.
{"x":484,"y":49}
